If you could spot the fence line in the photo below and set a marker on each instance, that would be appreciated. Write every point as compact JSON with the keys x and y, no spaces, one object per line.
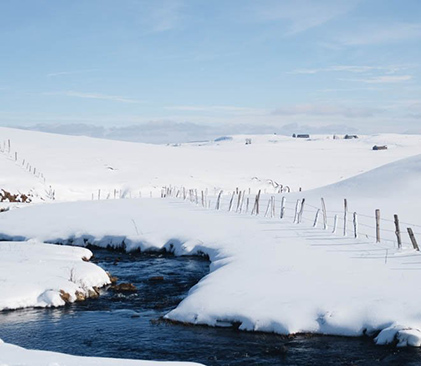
{"x":346,"y":223}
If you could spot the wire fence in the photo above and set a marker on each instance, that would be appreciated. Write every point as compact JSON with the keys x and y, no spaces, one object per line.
{"x":13,"y":155}
{"x":379,"y":230}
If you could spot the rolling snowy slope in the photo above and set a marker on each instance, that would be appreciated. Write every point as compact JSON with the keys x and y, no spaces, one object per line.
{"x":82,"y":168}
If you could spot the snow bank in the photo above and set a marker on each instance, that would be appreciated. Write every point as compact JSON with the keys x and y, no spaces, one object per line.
{"x":37,"y":274}
{"x":11,"y":355}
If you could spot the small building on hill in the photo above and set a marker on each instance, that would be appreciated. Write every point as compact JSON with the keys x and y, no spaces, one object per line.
{"x":301,"y":136}
{"x":377,"y":147}
{"x":350,"y":137}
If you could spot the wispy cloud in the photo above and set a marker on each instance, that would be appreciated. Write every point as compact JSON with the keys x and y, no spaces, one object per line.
{"x":161,"y":15}
{"x":215,"y":108}
{"x":63,"y":73}
{"x":386,"y":79}
{"x":99,"y":96}
{"x":302,"y":15}
{"x":326,"y":110}
{"x":381,"y":33}
{"x":357,"y":69}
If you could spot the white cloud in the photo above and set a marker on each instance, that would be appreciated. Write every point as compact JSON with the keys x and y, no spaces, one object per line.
{"x":327,"y":110}
{"x":62,"y":73}
{"x":357,"y":69}
{"x":215,"y":108}
{"x":302,"y":15}
{"x":99,"y":96}
{"x":160,"y":15}
{"x":385,"y":79}
{"x":381,"y":33}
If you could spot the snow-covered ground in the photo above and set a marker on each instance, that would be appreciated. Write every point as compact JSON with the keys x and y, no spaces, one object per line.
{"x":11,"y":355}
{"x":81,"y":167}
{"x":34,"y":273}
{"x":267,"y":274}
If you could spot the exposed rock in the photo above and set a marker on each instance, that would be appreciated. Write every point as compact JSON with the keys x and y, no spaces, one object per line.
{"x":156,"y":278}
{"x":65,"y":296}
{"x":80,"y":296}
{"x":113,"y":279}
{"x":124,"y":287}
{"x":93,"y":293}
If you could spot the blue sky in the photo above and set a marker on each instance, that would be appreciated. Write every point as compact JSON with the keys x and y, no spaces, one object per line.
{"x":321,"y":63}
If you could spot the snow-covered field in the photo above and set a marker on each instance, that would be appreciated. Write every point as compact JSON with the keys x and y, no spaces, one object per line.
{"x":80,"y":167}
{"x":267,"y":274}
{"x":11,"y":355}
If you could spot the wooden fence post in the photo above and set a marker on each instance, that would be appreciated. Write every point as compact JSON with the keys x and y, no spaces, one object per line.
{"x":232,"y":199}
{"x":282,"y":213}
{"x":268,"y":206}
{"x":345,"y":215}
{"x":316,"y":219}
{"x":398,"y":231}
{"x":256,"y":204}
{"x":297,"y":205}
{"x":273,"y":207}
{"x":300,"y":214}
{"x":355,"y":221}
{"x":413,"y":240}
{"x":377,"y":226}
{"x":218,"y":201}
{"x":239,"y":201}
{"x":335,"y":224}
{"x":325,"y":227}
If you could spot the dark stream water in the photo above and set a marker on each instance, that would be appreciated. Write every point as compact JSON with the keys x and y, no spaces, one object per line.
{"x":130,"y":326}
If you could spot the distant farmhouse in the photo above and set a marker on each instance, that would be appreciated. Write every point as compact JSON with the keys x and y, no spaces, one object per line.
{"x":301,"y":136}
{"x":376,"y":147}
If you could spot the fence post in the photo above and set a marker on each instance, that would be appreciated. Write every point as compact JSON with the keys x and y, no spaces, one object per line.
{"x":218,"y":201}
{"x":316,"y":219}
{"x":300,"y":214}
{"x":398,"y":231}
{"x":413,"y":240}
{"x":335,"y":224}
{"x":296,"y":211}
{"x":232,"y":199}
{"x":282,"y":207}
{"x":355,"y":221}
{"x":239,"y":201}
{"x":325,"y":227}
{"x":273,"y":207}
{"x":377,"y":226}
{"x":268,"y":206}
{"x":256,"y":204}
{"x":345,"y":215}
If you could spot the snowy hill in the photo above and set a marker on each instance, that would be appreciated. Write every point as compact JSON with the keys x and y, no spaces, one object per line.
{"x":82,"y":168}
